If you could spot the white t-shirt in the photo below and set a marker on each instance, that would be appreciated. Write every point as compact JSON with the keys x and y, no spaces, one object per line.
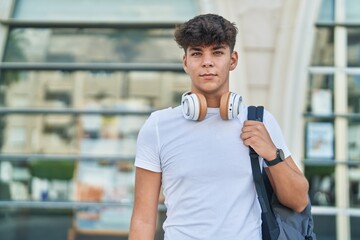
{"x":206,"y":173}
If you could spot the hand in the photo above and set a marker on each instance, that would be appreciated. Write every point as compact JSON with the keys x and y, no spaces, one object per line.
{"x":254,"y":134}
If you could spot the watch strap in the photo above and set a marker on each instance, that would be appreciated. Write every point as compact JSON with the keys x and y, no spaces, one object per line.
{"x":277,"y":160}
{"x":273,"y":162}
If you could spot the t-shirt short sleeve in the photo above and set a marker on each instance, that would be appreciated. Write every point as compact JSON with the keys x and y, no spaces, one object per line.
{"x":275,"y":133}
{"x":147,"y":147}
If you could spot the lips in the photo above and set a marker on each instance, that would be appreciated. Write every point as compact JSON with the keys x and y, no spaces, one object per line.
{"x":207,"y":75}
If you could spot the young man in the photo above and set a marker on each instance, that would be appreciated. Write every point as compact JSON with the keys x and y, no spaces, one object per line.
{"x":204,"y":166}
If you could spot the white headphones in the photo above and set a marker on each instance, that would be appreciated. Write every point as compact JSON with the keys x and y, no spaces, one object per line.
{"x":194,"y":106}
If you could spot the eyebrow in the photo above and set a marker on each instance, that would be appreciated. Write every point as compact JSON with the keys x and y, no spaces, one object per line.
{"x":195,"y":49}
{"x":216,"y":47}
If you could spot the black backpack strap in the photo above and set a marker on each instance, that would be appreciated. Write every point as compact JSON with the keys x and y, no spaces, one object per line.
{"x":270,"y":227}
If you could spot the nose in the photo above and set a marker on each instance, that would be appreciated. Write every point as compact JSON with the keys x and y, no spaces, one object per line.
{"x":207,"y":62}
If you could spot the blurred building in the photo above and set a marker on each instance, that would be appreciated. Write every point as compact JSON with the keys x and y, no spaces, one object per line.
{"x":79,"y":78}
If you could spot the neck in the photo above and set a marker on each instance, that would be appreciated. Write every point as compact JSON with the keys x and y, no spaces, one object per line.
{"x":213,"y":101}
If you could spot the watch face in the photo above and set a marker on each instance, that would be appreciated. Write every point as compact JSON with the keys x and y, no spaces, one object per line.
{"x":281,"y":154}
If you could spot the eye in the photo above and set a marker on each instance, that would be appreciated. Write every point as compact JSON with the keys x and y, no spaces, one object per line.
{"x":218,"y":53}
{"x":195,"y":54}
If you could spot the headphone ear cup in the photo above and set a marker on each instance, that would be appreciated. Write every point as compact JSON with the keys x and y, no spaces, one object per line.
{"x":224,"y":102}
{"x":202,"y":107}
{"x":230,"y":105}
{"x":194,"y":106}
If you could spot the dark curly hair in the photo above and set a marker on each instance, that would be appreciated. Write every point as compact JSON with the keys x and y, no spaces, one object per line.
{"x":206,"y":30}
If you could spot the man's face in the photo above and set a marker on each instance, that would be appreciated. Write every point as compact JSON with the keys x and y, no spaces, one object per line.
{"x":209,"y":67}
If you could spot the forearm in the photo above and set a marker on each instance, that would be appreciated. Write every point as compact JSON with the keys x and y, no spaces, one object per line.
{"x":289,"y":184}
{"x":144,"y":216}
{"x":140,"y":230}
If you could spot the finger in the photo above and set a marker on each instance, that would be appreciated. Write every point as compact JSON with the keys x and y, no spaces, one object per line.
{"x":250,"y":126}
{"x":254,"y":130}
{"x":252,"y":123}
{"x":252,"y":142}
{"x":248,"y":134}
{"x":246,"y":143}
{"x":245,"y":135}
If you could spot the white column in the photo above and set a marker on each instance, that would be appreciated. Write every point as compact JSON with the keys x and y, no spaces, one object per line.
{"x":289,"y":78}
{"x":341,"y":125}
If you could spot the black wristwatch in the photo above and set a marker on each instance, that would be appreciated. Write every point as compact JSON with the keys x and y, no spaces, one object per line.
{"x":279,"y":158}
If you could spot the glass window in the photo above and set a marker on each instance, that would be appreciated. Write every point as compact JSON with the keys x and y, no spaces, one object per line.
{"x":325,"y":227}
{"x":355,"y":230}
{"x":323,"y":49}
{"x":39,"y":134}
{"x":40,"y":180}
{"x":68,"y":180}
{"x":354,"y":94}
{"x":94,"y":134}
{"x":354,"y":184}
{"x":68,"y":138}
{"x":116,"y":90}
{"x":71,"y":45}
{"x":326,"y":13}
{"x":354,"y":140}
{"x":320,"y":141}
{"x":108,"y":10}
{"x":352,"y":11}
{"x":31,"y":223}
{"x":322,"y":185}
{"x":16,"y":136}
{"x":320,"y":95}
{"x":353,"y":47}
{"x":38,"y":224}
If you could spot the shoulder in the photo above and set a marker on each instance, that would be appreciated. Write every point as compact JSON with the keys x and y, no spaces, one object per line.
{"x":166,"y":113}
{"x":163,"y":115}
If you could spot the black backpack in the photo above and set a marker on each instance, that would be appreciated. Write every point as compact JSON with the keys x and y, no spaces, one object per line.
{"x":278,"y":221}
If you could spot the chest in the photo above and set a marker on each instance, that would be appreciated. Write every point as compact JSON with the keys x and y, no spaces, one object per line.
{"x":207,"y":150}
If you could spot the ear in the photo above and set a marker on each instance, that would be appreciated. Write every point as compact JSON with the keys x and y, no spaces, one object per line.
{"x":184,"y":61}
{"x":233,"y":60}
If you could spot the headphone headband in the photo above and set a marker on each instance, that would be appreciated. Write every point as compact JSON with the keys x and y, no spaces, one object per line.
{"x":194,"y":106}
